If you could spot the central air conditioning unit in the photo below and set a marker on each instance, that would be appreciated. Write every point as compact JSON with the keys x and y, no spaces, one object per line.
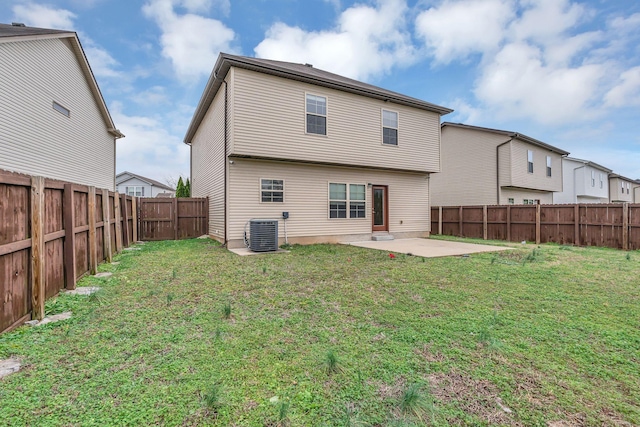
{"x":263,"y":235}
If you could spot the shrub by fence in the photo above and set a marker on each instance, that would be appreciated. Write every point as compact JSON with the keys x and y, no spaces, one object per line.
{"x":608,"y":225}
{"x":51,"y":234}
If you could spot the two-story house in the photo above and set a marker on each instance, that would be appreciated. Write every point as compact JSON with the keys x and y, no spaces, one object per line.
{"x":622,"y":189}
{"x":583,"y":182}
{"x":135,"y":185}
{"x":483,"y":166}
{"x":53,"y":119}
{"x":343,"y":158}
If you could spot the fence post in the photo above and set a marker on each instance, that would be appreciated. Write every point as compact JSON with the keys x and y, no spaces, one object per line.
{"x":460,"y":221}
{"x":69,"y":213}
{"x":106,"y":229}
{"x":440,"y":220}
{"x":484,"y":222}
{"x":37,"y":248}
{"x":93,"y":242}
{"x":134,"y":219}
{"x":125,"y":220}
{"x":116,"y":208}
{"x":537,"y":223}
{"x":625,"y":226}
{"x":576,"y":214}
{"x":508,"y":223}
{"x":175,"y":218}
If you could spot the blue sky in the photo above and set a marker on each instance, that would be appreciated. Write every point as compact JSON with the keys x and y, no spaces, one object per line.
{"x":561,"y":71}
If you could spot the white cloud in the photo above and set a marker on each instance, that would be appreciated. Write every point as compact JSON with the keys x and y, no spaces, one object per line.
{"x":149,"y":149}
{"x":534,"y":61}
{"x":517,"y":83}
{"x":36,"y":15}
{"x":366,"y":42}
{"x":191,"y":42}
{"x":457,"y":29}
{"x":627,"y":91}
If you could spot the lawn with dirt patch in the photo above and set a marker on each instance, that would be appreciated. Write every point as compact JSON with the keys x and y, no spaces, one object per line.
{"x":186,"y":333}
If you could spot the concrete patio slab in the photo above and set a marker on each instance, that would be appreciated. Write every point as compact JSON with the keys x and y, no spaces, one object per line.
{"x":247,"y":251}
{"x":428,"y":248}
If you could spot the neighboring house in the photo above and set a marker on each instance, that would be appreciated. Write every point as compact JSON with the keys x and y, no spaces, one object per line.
{"x":139,"y":186}
{"x":343,"y":158}
{"x":636,"y":192}
{"x":583,"y":182}
{"x":53,"y":119}
{"x":482,"y":166}
{"x":622,"y":189}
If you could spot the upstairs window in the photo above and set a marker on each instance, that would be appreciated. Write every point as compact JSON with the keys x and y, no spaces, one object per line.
{"x":272,"y":190}
{"x":60,"y":109}
{"x":593,"y":178}
{"x":627,"y":188}
{"x":530,"y":161}
{"x":601,"y":181}
{"x":389,"y":127}
{"x":622,"y":185}
{"x":549,"y":166}
{"x":316,"y":108}
{"x":135,"y":191}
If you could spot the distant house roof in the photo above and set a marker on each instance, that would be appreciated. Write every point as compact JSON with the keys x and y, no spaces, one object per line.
{"x":590,"y":163}
{"x":125,"y":176}
{"x":615,"y":175}
{"x":509,"y":134}
{"x":300,"y":72}
{"x":19,"y":32}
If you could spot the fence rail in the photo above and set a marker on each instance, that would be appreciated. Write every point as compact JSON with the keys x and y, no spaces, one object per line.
{"x":607,"y":225}
{"x":51,"y":234}
{"x":173,"y":219}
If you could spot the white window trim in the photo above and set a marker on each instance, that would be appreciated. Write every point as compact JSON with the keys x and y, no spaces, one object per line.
{"x":549,"y":170}
{"x":141,"y":187}
{"x":382,"y":126}
{"x":326,"y":116}
{"x":530,"y":161}
{"x":348,"y":184}
{"x":593,"y":179}
{"x":61,"y":109}
{"x":260,"y":191}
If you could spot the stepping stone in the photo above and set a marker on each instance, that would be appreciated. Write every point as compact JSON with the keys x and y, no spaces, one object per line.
{"x":132,"y":249}
{"x":55,"y":318}
{"x":140,"y":242}
{"x":9,"y":366}
{"x":84,"y":290}
{"x":115,"y":263}
{"x":103,"y":275}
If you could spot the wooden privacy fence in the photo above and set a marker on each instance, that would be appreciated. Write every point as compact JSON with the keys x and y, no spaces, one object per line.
{"x":51,"y":234}
{"x":607,"y":225}
{"x":173,"y":219}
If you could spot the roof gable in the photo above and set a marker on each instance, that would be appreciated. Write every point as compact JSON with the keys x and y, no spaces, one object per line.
{"x":18,"y":33}
{"x":508,"y":134}
{"x":125,"y":176}
{"x":301,"y":72}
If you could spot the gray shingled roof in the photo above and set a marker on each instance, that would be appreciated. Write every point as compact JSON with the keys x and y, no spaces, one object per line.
{"x":509,"y":134}
{"x":9,"y":30}
{"x":301,"y":72}
{"x":153,"y":182}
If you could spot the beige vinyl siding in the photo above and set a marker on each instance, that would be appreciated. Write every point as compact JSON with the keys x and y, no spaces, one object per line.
{"x":269,"y":121}
{"x":208,"y":161}
{"x":38,"y":140}
{"x":306,"y":194}
{"x":519,"y":194}
{"x":538,"y":180}
{"x":505,"y":165}
{"x":468,"y":175}
{"x":616,"y":193}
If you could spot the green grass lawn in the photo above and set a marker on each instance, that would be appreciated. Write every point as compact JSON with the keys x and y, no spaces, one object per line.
{"x":186,"y":333}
